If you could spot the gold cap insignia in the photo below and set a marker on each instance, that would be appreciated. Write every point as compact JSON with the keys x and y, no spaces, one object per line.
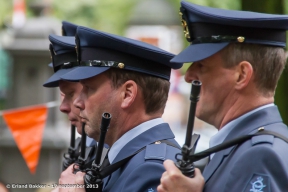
{"x":121,"y":65}
{"x":240,"y":39}
{"x":185,"y":27}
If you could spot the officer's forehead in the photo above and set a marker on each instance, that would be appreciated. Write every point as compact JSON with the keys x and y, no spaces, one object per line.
{"x":68,"y":85}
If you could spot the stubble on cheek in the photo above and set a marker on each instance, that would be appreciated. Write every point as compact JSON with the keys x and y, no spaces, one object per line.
{"x":93,"y":128}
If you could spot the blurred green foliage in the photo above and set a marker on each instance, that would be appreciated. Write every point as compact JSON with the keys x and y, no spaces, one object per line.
{"x":113,"y":16}
{"x":106,"y":15}
{"x":5,"y":12}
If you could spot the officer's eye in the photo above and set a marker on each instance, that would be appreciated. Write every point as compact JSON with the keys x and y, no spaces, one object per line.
{"x":200,"y":65}
{"x":85,"y":88}
{"x":71,"y":94}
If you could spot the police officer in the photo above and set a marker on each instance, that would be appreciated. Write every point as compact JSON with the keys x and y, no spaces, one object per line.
{"x":64,"y":59}
{"x":130,"y":80}
{"x":239,"y":58}
{"x":69,"y":90}
{"x":62,"y":51}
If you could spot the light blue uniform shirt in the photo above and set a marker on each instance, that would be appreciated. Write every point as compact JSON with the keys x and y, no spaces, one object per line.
{"x":131,"y":134}
{"x":219,"y":137}
{"x":90,"y":142}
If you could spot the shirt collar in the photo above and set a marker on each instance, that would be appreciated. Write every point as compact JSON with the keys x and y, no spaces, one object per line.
{"x":219,"y":137}
{"x":131,"y":134}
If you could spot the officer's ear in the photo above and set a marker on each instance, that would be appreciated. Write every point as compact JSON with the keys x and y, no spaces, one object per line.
{"x":244,"y":73}
{"x":129,"y":92}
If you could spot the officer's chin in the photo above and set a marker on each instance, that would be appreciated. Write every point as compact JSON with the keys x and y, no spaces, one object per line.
{"x":79,"y":131}
{"x":78,"y":127}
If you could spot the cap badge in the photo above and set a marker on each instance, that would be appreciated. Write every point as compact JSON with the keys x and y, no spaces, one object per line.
{"x":240,"y":39}
{"x":121,"y":65}
{"x":185,"y":27}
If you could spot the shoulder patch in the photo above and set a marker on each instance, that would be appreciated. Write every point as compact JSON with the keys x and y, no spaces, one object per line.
{"x":258,"y":183}
{"x":156,"y":151}
{"x":262,"y":139}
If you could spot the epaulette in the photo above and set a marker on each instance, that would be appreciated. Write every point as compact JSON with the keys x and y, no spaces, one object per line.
{"x":156,"y":151}
{"x":259,"y":139}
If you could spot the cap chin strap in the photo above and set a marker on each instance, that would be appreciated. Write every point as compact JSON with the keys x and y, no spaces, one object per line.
{"x":218,"y":39}
{"x":99,"y":63}
{"x":101,"y":57}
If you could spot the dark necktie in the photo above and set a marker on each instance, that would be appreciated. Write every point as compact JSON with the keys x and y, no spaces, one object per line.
{"x":106,"y":162}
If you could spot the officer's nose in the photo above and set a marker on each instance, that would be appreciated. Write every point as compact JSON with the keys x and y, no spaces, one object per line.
{"x":191,"y":73}
{"x":65,"y":107}
{"x":79,"y":103}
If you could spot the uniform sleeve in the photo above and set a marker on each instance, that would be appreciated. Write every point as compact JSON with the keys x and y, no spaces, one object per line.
{"x":260,"y":168}
{"x":146,"y":177}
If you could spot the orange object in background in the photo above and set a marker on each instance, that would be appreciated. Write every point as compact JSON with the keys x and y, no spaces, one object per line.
{"x":27,"y":126}
{"x":151,"y":40}
{"x":19,"y":13}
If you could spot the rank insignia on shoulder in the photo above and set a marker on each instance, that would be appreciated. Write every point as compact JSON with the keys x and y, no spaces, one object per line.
{"x":258,"y":183}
